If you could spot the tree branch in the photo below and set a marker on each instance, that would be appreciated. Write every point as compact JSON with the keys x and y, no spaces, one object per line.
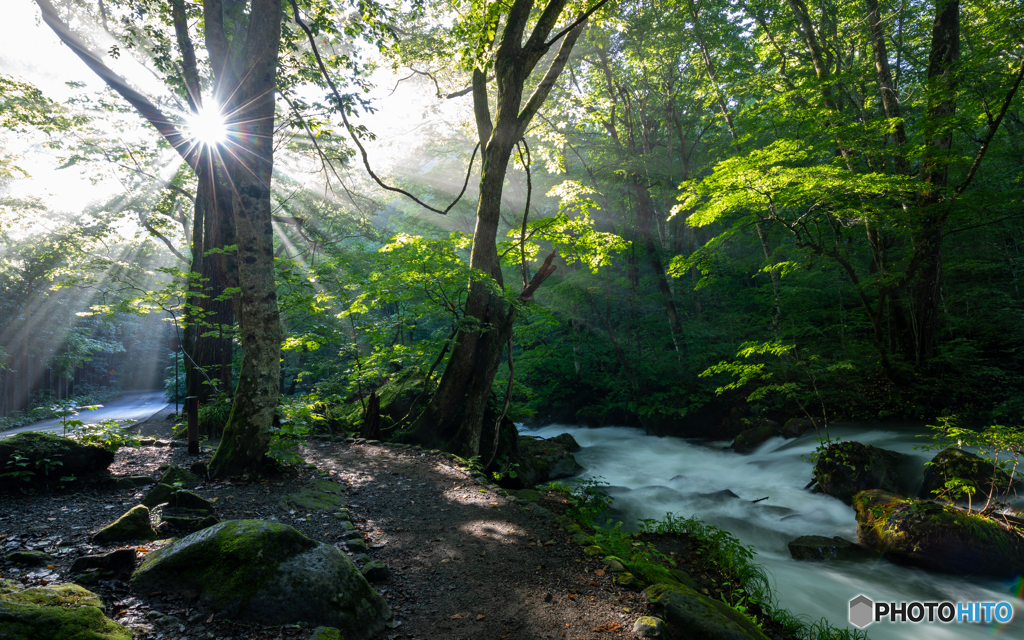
{"x":169,"y":130}
{"x":355,"y":138}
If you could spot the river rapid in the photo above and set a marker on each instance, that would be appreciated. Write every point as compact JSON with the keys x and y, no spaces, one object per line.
{"x":651,"y":476}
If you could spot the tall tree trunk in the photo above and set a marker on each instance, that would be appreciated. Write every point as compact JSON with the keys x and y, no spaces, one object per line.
{"x":247,"y":434}
{"x":945,"y":50}
{"x":469,"y":374}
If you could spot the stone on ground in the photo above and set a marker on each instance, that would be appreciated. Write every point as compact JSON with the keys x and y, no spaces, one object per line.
{"x":938,"y":537}
{"x":134,"y":525}
{"x":326,"y":633}
{"x":176,"y":474}
{"x":266,"y":572}
{"x":692,"y":615}
{"x":179,"y":498}
{"x":649,"y":627}
{"x":63,"y":611}
{"x":29,"y":558}
{"x":117,"y":561}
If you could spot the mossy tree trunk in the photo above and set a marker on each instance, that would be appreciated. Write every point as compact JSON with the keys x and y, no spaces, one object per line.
{"x":455,"y":412}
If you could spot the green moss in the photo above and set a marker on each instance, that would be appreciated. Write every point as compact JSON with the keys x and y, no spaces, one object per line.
{"x":257,"y":545}
{"x":937,"y":536}
{"x":176,"y":474}
{"x":134,"y":525}
{"x":67,"y":612}
{"x":702,"y":616}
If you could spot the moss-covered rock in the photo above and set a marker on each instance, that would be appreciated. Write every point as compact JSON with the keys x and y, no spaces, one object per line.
{"x":750,"y":439}
{"x":939,"y":537}
{"x":796,"y":427}
{"x":50,"y":457}
{"x":134,"y":525}
{"x":694,"y":616}
{"x":186,"y":521}
{"x":117,"y":561}
{"x":266,"y":572}
{"x":978,"y":472}
{"x":547,"y":459}
{"x":176,"y":498}
{"x":64,"y":611}
{"x":29,"y":558}
{"x":180,"y":475}
{"x":326,"y":633}
{"x":847,"y":468}
{"x":649,"y":627}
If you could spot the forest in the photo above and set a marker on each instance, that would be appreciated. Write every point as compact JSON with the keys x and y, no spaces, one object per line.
{"x":442,"y":223}
{"x":771,"y":209}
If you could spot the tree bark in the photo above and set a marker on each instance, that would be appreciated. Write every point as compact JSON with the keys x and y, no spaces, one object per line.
{"x":247,"y":434}
{"x":945,"y":49}
{"x":455,"y":413}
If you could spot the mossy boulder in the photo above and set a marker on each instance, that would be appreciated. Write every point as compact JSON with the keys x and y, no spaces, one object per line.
{"x":134,"y":525}
{"x":936,"y":536}
{"x":547,"y":459}
{"x":796,"y":427}
{"x":176,"y":498}
{"x":975,"y":470}
{"x":266,"y":572}
{"x":30,"y":558}
{"x":65,"y":611}
{"x":750,"y":439}
{"x":50,"y":457}
{"x":694,"y":616}
{"x":845,"y":469}
{"x":180,"y":475}
{"x":819,"y":548}
{"x":186,"y":521}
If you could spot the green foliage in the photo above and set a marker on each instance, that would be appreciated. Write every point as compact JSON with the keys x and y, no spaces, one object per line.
{"x":109,"y":434}
{"x":1001,"y":445}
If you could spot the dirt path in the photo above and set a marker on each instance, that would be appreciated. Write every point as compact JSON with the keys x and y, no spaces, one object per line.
{"x":466,"y":561}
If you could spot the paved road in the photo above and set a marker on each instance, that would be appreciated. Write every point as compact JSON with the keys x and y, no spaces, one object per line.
{"x":132,"y":405}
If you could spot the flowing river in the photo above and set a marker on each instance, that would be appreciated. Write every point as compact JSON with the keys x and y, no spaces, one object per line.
{"x":650,"y":476}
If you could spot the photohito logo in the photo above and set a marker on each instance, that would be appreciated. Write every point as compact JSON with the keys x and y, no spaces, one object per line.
{"x":864,"y":611}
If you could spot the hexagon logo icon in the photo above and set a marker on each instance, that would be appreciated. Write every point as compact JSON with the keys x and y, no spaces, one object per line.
{"x":862,"y":611}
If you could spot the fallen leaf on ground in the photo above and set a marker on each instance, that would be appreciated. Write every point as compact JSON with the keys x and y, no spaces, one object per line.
{"x":458,"y":616}
{"x":611,"y":627}
{"x":480,"y":616}
{"x":599,"y":572}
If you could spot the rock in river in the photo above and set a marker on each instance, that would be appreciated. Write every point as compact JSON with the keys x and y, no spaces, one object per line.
{"x":822,"y":548}
{"x":847,"y":468}
{"x":936,"y":536}
{"x":266,"y":572}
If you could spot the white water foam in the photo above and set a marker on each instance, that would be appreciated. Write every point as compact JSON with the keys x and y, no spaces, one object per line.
{"x":651,"y":476}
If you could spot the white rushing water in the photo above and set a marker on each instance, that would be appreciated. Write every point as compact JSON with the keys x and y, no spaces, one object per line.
{"x":651,"y":476}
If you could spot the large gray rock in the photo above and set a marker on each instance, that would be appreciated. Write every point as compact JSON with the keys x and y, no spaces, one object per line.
{"x":266,"y":572}
{"x":550,"y":459}
{"x":694,"y":616}
{"x":845,"y":469}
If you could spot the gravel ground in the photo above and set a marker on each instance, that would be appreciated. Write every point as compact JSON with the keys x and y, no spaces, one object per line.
{"x":466,"y":561}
